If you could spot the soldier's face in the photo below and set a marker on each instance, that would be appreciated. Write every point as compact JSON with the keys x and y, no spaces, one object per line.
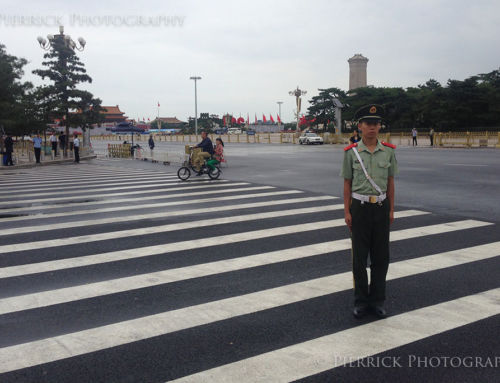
{"x":369,"y":128}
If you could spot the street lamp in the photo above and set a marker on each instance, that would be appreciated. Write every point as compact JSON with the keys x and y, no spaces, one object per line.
{"x":297,"y":93}
{"x":195,"y":78}
{"x":279,"y":103}
{"x":47,"y":44}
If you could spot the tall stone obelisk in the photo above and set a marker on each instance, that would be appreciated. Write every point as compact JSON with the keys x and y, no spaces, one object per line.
{"x":357,"y":71}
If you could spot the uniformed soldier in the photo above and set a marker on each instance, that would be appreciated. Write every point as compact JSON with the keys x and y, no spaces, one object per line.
{"x":368,"y":170}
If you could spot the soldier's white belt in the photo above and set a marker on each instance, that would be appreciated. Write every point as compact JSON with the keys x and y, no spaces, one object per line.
{"x":369,"y":198}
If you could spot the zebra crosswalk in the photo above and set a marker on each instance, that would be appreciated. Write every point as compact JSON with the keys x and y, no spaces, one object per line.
{"x":109,"y":274}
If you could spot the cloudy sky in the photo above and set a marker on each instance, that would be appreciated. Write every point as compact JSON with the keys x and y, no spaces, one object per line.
{"x":251,"y":53}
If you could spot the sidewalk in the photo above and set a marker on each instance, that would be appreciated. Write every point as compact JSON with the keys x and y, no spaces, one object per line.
{"x":25,"y":165}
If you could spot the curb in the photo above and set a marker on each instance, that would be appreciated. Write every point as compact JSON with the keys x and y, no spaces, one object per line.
{"x":45,"y":163}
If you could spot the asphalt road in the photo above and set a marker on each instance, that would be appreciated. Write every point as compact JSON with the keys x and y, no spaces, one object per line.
{"x":114,"y":271}
{"x":448,"y":181}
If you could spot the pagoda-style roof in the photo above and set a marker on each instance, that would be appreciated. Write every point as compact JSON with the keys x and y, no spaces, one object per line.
{"x":113,"y":113}
{"x":112,"y":110}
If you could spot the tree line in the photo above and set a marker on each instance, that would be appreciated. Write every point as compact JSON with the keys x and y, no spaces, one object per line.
{"x":26,"y":109}
{"x":471,"y":104}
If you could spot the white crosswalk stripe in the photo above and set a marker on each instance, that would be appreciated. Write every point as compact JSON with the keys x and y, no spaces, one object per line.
{"x":233,"y":249}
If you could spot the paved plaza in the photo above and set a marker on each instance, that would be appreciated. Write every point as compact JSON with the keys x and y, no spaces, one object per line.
{"x":115,"y":271}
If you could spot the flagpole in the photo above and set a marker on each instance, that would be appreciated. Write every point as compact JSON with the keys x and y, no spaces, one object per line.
{"x":279,"y":120}
{"x":158,"y":118}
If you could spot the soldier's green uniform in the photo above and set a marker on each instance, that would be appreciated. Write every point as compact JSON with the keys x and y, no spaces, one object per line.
{"x":370,"y":219}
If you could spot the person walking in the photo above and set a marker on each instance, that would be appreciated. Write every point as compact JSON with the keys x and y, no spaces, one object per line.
{"x":368,"y":169}
{"x":431,"y":136}
{"x":62,"y":142}
{"x":151,"y":143}
{"x":9,"y":149}
{"x":76,"y":148}
{"x":414,"y":135}
{"x":53,"y":143}
{"x":37,"y":147}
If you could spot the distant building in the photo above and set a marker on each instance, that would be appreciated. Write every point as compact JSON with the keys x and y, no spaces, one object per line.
{"x":357,"y":71}
{"x":113,"y":115}
{"x":169,"y":122}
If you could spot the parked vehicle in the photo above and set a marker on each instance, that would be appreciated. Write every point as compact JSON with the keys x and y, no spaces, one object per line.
{"x":221,"y":131}
{"x":310,"y":138}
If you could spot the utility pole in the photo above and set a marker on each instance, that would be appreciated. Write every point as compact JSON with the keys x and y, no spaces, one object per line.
{"x":195,"y":78}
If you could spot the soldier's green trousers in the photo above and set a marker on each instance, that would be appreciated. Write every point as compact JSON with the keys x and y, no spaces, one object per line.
{"x":370,"y":238}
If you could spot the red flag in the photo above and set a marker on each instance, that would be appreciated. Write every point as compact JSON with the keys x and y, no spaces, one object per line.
{"x":272,"y":119}
{"x":240,"y":120}
{"x":256,"y":118}
{"x":264,"y":118}
{"x":148,"y":118}
{"x":233,"y":120}
{"x":158,"y":104}
{"x":279,"y":119}
{"x":144,"y":119}
{"x":248,"y":119}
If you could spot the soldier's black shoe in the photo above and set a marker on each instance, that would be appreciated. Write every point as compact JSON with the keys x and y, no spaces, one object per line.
{"x":359,"y":311}
{"x":379,"y":311}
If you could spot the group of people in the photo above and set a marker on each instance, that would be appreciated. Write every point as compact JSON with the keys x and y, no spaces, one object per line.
{"x":74,"y":145}
{"x":414,"y":135}
{"x":37,"y":147}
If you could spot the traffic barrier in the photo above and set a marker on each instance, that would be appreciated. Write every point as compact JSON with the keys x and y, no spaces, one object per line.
{"x":119,"y":151}
{"x":441,"y":139}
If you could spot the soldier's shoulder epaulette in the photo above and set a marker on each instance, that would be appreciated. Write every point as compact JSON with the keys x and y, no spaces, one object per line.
{"x":350,"y":146}
{"x":389,"y":145}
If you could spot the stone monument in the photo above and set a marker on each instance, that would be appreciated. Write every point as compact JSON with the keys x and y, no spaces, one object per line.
{"x":357,"y":71}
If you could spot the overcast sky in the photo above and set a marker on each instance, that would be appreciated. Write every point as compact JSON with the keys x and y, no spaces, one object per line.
{"x":250,"y":54}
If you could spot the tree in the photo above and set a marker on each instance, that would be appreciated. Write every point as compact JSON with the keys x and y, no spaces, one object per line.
{"x":12,"y":91}
{"x":322,"y":107}
{"x":66,"y":71}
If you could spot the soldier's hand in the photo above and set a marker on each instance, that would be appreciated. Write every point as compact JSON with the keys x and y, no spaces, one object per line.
{"x":391,"y":217}
{"x":348,"y":220}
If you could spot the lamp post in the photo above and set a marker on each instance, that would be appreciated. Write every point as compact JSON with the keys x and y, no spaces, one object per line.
{"x":47,"y":44}
{"x":195,"y":78}
{"x":279,"y":103}
{"x":297,"y":93}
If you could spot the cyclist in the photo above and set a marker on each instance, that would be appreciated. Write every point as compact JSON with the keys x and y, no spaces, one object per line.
{"x":207,"y":150}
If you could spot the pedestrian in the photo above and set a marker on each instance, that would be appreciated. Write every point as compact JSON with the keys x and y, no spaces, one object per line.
{"x":414,"y":135}
{"x":219,"y":150}
{"x":151,"y":143}
{"x":76,"y":148}
{"x":355,"y":137}
{"x":431,"y":136}
{"x":9,"y":149}
{"x":368,"y":170}
{"x":62,"y":142}
{"x":37,"y":147}
{"x":53,"y":143}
